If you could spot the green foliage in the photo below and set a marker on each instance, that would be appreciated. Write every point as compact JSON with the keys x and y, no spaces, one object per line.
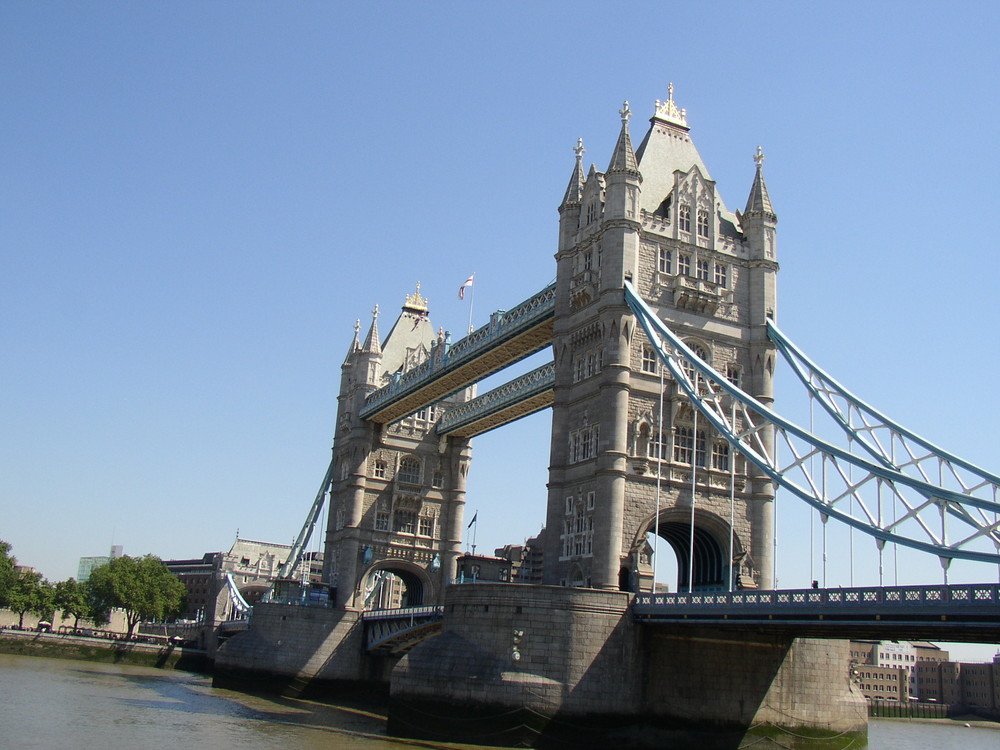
{"x":29,"y":593}
{"x":71,"y":597}
{"x":141,"y":586}
{"x":7,"y":573}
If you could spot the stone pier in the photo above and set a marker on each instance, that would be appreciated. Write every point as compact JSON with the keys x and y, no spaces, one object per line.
{"x":542,"y":666}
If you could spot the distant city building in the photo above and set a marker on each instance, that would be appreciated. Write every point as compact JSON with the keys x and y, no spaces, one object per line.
{"x":921,"y":671}
{"x":87,"y":564}
{"x":525,"y":559}
{"x":253,"y":567}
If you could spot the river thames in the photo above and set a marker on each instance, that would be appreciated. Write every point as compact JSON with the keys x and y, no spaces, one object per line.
{"x":54,"y":703}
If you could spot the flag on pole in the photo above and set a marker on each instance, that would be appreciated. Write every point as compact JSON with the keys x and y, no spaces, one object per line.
{"x":468,"y":283}
{"x":474,"y":519}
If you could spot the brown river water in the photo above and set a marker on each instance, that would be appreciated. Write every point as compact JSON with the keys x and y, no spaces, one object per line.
{"x":55,"y":704}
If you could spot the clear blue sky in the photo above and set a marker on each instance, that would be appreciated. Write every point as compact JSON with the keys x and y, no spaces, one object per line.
{"x":199,"y":199}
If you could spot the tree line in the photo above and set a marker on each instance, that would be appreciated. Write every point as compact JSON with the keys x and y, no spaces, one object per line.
{"x":142,"y":587}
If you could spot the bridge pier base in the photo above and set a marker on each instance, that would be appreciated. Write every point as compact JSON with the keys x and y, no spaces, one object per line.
{"x":542,"y":666}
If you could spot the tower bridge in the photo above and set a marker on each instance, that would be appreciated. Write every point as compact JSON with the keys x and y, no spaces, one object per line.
{"x":661,"y":327}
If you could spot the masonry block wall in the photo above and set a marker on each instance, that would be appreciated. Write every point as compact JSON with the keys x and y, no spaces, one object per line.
{"x":292,"y":645}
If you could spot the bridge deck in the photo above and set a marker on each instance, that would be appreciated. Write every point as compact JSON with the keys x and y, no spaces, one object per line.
{"x":967,"y":612}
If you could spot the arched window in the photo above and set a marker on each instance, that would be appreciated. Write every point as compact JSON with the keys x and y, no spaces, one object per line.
{"x":702,"y":223}
{"x":409,"y":470}
{"x":684,"y":218}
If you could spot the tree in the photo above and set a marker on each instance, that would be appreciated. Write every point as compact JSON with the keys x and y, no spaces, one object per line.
{"x":71,"y":597}
{"x":141,"y":586}
{"x":29,"y":593}
{"x":8,"y":573}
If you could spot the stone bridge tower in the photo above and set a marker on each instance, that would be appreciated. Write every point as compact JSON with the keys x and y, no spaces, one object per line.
{"x":397,"y":494}
{"x":655,"y":218}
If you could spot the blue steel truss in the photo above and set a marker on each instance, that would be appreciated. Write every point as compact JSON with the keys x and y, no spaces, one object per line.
{"x":875,"y":497}
{"x":886,"y":440}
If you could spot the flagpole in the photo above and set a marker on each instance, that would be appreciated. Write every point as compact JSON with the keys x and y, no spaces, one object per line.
{"x":475,"y":521}
{"x":472,"y":303}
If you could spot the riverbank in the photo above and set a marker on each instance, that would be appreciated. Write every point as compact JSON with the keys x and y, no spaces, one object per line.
{"x":86,"y":648}
{"x":969,"y":720}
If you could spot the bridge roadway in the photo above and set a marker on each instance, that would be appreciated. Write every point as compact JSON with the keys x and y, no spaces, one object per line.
{"x":967,"y":613}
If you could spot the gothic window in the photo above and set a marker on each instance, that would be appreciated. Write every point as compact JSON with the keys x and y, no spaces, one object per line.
{"x":381,"y":521}
{"x":721,"y":275}
{"x":569,"y":506}
{"x":592,"y":212}
{"x":590,"y":500}
{"x":583,"y":444}
{"x":699,"y":448}
{"x":703,"y":270}
{"x":426,"y":526}
{"x":665,"y":259}
{"x":588,"y":261}
{"x":684,"y":217}
{"x":648,"y":359}
{"x":379,"y":470}
{"x":406,"y":522}
{"x":591,"y":363}
{"x":733,"y":374}
{"x":683,"y":444}
{"x":720,"y":456}
{"x":683,"y":264}
{"x":438,"y":479}
{"x":701,"y":354}
{"x":409,"y":470}
{"x":578,"y":368}
{"x":658,"y":446}
{"x":702,"y":223}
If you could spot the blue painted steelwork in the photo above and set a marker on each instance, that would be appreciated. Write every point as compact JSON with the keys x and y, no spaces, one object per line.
{"x":918,"y":505}
{"x":396,"y":631}
{"x":956,"y":612}
{"x":305,"y":533}
{"x":503,"y":326}
{"x":886,"y":440}
{"x":510,"y":394}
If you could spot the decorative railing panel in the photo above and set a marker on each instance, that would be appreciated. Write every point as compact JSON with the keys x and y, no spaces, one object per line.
{"x":501,"y":398}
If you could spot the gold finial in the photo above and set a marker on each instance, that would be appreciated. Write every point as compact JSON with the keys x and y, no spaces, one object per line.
{"x":415,"y":301}
{"x":669,"y":111}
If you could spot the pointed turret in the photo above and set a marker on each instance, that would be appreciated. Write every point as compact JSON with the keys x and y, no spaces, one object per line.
{"x":759,"y":202}
{"x":622,"y":178}
{"x":355,"y":344}
{"x":574,"y":191}
{"x":372,"y":345}
{"x":572,"y":202}
{"x":623,"y":159}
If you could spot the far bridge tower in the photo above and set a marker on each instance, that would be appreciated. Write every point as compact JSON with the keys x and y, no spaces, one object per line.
{"x":397,"y":492}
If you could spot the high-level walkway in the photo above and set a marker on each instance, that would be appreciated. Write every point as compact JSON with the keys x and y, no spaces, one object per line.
{"x":509,"y":337}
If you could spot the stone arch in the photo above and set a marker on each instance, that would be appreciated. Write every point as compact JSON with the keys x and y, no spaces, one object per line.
{"x":403,"y":584}
{"x":712,"y":566}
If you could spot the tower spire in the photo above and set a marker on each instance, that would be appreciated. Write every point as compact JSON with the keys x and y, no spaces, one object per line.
{"x":759,"y":202}
{"x":574,"y":191}
{"x":623,"y":158}
{"x":355,"y":344}
{"x":372,"y":345}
